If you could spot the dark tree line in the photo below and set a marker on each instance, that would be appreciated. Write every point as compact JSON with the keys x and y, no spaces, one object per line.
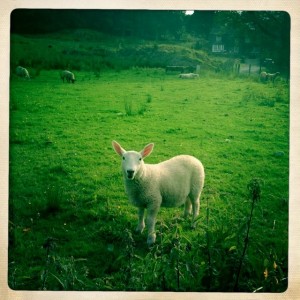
{"x":148,"y":24}
{"x":266,"y":31}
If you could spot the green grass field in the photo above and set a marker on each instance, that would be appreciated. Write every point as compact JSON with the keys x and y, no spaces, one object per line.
{"x":71,"y":225}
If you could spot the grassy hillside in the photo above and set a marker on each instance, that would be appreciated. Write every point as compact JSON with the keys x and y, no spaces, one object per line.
{"x":70,"y":224}
{"x":89,"y":50}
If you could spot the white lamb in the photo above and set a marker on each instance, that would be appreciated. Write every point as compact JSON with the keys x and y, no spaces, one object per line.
{"x":69,"y":76}
{"x":171,"y":183}
{"x":188,"y":76}
{"x":22,"y":72}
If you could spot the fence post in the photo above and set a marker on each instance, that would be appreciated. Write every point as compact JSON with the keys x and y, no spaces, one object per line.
{"x":236,"y":66}
{"x":249,"y":69}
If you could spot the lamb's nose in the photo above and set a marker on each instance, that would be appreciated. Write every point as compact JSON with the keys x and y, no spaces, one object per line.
{"x":130,"y":173}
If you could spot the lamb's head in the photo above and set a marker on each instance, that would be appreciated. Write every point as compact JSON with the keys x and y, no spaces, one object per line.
{"x":132,"y":161}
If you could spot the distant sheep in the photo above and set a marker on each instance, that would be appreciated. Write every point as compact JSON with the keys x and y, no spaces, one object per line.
{"x":188,"y":76}
{"x":22,"y":72}
{"x":273,"y":76}
{"x":69,"y":76}
{"x":264,"y":76}
{"x":170,"y":183}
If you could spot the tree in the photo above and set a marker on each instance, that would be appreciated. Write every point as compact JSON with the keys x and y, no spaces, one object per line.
{"x":271,"y":29}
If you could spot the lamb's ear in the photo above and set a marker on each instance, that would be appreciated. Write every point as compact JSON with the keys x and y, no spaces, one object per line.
{"x":117,"y":147}
{"x":147,"y":150}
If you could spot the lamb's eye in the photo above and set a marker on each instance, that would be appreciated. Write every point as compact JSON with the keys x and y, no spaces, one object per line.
{"x":140,"y":159}
{"x":123,"y":157}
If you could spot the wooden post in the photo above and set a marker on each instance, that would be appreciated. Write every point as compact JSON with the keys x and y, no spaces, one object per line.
{"x":249,"y":69}
{"x":236,"y":66}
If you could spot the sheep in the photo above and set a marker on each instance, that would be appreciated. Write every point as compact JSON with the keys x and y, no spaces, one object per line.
{"x":22,"y":72}
{"x":273,"y":76}
{"x":170,"y":183}
{"x":69,"y":76}
{"x":188,"y":76}
{"x":264,"y":76}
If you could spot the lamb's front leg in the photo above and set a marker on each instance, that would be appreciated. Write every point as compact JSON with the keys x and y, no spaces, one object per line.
{"x":151,"y":220}
{"x":141,"y":224}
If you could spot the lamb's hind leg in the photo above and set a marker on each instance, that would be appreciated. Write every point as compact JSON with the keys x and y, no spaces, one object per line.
{"x":187,"y":207}
{"x":196,"y":207}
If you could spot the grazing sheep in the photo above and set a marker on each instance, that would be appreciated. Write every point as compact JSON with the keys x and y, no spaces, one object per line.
{"x":264,"y":76}
{"x":170,"y":183}
{"x":69,"y":76}
{"x":188,"y":76}
{"x":22,"y":72}
{"x":273,"y":76}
